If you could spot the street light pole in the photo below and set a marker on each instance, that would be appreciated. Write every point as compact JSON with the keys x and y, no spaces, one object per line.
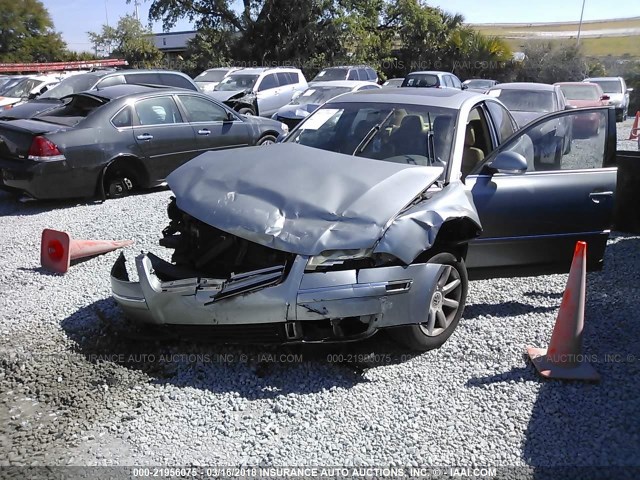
{"x":580,"y":24}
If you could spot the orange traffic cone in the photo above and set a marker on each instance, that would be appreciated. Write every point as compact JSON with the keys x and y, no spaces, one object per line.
{"x":57,"y":249}
{"x":563,"y":359}
{"x":635,"y":131}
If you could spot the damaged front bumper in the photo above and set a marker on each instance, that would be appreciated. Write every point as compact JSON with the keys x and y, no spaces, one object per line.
{"x":305,"y":306}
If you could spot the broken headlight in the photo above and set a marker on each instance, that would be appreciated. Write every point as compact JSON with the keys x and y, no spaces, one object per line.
{"x":336,"y":257}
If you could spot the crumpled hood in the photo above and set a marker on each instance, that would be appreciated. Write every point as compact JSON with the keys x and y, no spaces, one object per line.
{"x":298,"y":199}
{"x":223,"y":95}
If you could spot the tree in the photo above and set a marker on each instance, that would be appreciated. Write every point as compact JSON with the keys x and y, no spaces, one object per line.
{"x":550,"y":62}
{"x":26,"y":33}
{"x":129,"y":40}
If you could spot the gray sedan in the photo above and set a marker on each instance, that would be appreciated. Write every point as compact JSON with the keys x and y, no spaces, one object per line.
{"x":107,"y":142}
{"x":367,"y":217}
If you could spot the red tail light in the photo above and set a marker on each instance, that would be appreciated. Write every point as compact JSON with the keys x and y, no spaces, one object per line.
{"x":43,"y":149}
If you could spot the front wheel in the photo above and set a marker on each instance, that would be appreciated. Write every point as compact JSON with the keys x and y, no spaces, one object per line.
{"x":267,"y":140}
{"x":247,"y":111}
{"x":445,"y":307}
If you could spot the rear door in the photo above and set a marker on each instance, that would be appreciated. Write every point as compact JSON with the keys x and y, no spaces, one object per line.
{"x":165,"y":139}
{"x":531,"y":221}
{"x":211,"y":124}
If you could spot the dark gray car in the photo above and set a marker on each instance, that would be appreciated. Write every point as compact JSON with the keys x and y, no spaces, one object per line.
{"x":367,"y":217}
{"x":109,"y":141}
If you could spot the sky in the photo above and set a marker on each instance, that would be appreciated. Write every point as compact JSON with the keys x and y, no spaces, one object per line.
{"x":74,"y":18}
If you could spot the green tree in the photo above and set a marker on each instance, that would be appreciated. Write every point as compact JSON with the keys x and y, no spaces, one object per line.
{"x":129,"y":40}
{"x":259,"y":32}
{"x":550,"y":62}
{"x":27,"y":34}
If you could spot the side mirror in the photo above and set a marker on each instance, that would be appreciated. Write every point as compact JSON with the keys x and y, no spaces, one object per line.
{"x":230,"y":117}
{"x":629,"y":90}
{"x":605,"y":97}
{"x":464,"y":87}
{"x":508,"y":162}
{"x":32,"y":96}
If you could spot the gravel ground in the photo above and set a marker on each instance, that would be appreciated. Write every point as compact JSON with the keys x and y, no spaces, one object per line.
{"x":78,"y":386}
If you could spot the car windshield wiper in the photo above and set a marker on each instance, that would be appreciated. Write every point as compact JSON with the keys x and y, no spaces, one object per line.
{"x":372,"y":133}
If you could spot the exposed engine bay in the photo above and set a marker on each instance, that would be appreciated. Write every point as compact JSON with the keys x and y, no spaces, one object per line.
{"x":201,"y":250}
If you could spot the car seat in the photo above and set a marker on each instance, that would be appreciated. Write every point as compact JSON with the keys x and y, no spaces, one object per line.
{"x":409,"y":138}
{"x":471,"y":155}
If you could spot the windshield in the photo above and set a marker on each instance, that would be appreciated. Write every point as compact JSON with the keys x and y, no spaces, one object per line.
{"x":331,"y":74}
{"x":412,"y":134}
{"x":479,"y":83}
{"x":22,"y":88}
{"x":73,"y":84}
{"x":519,"y":100}
{"x":319,"y":95}
{"x":211,"y":76}
{"x":609,"y":86}
{"x":580,"y":92}
{"x":421,"y":80}
{"x":237,"y":82}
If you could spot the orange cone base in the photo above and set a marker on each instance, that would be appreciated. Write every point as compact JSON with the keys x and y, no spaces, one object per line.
{"x":581,"y":371}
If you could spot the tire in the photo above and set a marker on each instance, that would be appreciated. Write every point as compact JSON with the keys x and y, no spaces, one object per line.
{"x":118,"y":183}
{"x":266,"y":140}
{"x":444,"y":318}
{"x":247,"y":111}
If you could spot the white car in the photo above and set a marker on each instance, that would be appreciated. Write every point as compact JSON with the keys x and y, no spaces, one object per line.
{"x":618,"y":93}
{"x":27,"y":89}
{"x":208,"y":79}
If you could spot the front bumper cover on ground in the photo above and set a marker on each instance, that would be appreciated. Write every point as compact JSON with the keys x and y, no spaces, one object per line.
{"x":377,"y":297}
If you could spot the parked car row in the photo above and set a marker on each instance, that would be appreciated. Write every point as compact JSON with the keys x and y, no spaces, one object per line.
{"x":18,"y":89}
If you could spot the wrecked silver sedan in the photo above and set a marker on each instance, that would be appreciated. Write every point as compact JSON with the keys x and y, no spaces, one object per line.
{"x":364,"y":218}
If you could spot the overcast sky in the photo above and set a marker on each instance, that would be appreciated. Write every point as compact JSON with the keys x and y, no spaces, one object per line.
{"x":73,"y":18}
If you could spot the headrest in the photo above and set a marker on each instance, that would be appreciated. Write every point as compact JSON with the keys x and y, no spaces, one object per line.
{"x":442,"y":122}
{"x":470,"y":136}
{"x":411,"y":122}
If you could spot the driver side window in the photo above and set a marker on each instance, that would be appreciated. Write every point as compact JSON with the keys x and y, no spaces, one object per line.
{"x":268,"y":82}
{"x":573,"y":141}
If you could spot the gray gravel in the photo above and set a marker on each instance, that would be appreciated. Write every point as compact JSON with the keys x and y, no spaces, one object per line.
{"x":79,"y":386}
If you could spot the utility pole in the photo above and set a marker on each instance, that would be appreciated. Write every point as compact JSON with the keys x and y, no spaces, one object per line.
{"x":136,"y":3}
{"x":580,"y":24}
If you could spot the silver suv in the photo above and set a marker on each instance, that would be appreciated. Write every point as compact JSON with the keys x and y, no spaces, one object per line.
{"x":618,"y":93}
{"x":259,"y":91}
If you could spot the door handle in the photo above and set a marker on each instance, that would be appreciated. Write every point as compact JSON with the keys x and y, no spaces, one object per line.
{"x":145,"y":136}
{"x":597,"y":197}
{"x":204,"y":131}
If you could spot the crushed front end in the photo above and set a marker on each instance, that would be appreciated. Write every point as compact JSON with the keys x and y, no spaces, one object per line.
{"x":232,"y":284}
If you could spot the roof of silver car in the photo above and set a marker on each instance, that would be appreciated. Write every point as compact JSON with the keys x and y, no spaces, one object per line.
{"x":523,"y":86}
{"x":437,"y":97}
